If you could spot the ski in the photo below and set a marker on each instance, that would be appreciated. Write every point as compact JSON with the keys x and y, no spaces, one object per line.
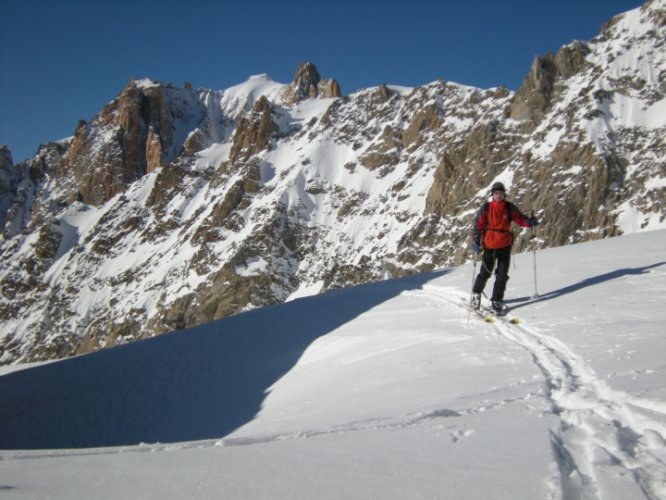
{"x":483,"y":314}
{"x":490,"y":316}
{"x":486,"y":316}
{"x":504,"y":316}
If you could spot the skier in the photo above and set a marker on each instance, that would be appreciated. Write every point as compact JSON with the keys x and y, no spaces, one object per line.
{"x":492,"y":234}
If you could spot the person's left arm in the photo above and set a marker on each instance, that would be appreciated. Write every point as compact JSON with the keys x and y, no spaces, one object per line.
{"x":520,"y":218}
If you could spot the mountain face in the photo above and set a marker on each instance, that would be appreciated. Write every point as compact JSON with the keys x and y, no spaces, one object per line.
{"x":174,"y":206}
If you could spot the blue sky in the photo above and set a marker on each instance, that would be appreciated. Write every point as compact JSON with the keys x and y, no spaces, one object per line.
{"x":62,"y":61}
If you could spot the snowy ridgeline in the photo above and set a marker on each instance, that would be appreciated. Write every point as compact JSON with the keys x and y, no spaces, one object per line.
{"x":389,"y":390}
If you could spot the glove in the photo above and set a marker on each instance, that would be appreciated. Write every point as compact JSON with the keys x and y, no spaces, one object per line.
{"x":532,"y":221}
{"x":476,"y":247}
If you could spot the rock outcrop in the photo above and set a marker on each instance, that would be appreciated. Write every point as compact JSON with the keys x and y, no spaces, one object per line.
{"x":308,"y":84}
{"x":8,"y":182}
{"x":132,"y":136}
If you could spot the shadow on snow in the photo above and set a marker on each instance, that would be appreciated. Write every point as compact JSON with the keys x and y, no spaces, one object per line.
{"x":194,"y":384}
{"x":596,"y":280}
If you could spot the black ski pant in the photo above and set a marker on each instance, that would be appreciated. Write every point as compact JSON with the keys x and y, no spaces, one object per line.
{"x":503,"y":258}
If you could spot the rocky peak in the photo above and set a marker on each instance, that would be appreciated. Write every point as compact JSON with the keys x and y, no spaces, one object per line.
{"x":307,"y":83}
{"x":306,"y":77}
{"x":536,"y":93}
{"x":128,"y":127}
{"x":142,"y":129}
{"x":253,"y":132}
{"x":656,"y":12}
{"x":5,"y":156}
{"x":652,"y":11}
{"x":8,"y":173}
{"x":8,"y":180}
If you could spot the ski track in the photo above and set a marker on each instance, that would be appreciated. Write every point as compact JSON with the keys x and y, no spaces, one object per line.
{"x":606,"y":441}
{"x":430,"y":419}
{"x":439,"y":419}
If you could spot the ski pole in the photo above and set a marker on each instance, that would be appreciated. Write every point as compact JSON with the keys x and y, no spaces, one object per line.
{"x":533,"y":238}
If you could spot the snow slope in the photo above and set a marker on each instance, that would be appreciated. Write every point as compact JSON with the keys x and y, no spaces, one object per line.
{"x":387,"y":390}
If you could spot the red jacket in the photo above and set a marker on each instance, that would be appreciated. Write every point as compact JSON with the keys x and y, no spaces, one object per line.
{"x":492,"y":226}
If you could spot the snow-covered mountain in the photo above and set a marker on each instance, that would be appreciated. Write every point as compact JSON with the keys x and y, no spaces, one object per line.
{"x":174,"y":206}
{"x":387,"y":390}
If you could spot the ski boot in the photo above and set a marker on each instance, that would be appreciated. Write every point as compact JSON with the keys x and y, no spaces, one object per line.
{"x":498,"y":307}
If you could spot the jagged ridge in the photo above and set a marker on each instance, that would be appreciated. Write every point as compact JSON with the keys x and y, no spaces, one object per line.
{"x":175,"y":206}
